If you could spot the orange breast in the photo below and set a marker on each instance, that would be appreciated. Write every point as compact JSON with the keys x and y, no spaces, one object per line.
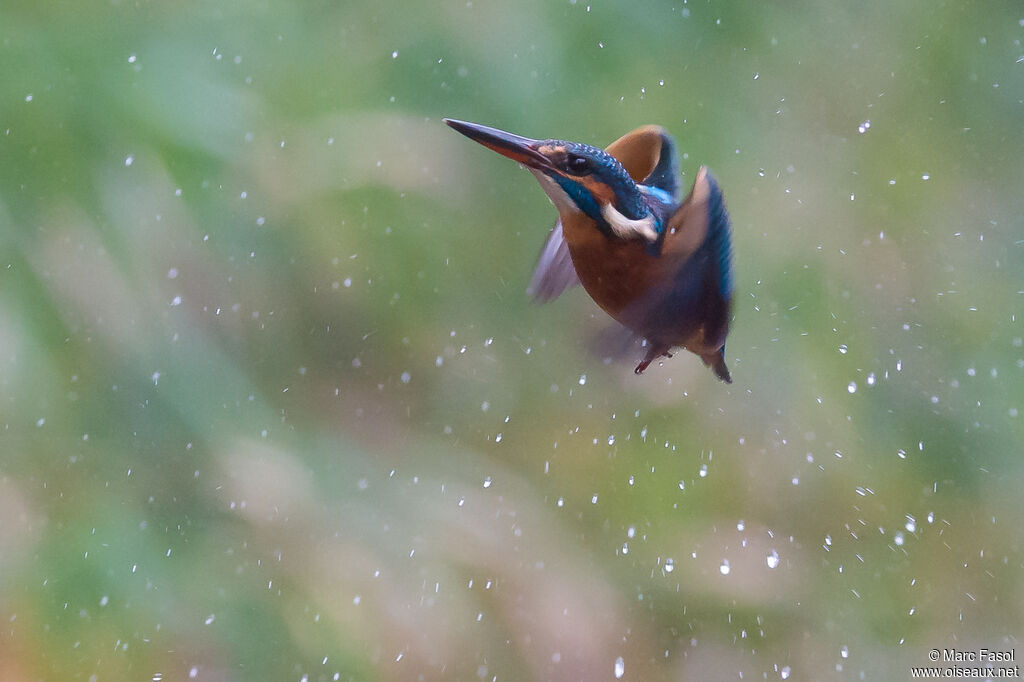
{"x":623,"y":278}
{"x":614,"y":272}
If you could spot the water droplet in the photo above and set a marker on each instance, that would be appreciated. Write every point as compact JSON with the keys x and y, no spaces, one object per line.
{"x":394,"y":55}
{"x":898,"y":538}
{"x":724,"y":568}
{"x":406,"y":377}
{"x":129,"y":160}
{"x":772,"y":559}
{"x":583,"y":380}
{"x":852,"y":387}
{"x":620,"y":668}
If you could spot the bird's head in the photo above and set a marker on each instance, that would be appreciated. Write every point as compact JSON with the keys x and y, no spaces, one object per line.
{"x":577,"y":177}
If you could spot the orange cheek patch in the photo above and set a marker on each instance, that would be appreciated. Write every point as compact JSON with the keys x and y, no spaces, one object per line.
{"x":602,"y":193}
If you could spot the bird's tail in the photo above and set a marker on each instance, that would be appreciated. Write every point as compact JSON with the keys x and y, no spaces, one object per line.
{"x":717,"y":362}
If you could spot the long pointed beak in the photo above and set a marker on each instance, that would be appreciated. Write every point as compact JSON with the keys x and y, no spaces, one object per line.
{"x":521,"y":149}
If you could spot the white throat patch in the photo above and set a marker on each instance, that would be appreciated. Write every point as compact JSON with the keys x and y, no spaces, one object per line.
{"x":626,"y":228}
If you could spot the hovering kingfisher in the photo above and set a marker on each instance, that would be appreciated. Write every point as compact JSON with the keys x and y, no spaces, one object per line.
{"x":660,"y":266}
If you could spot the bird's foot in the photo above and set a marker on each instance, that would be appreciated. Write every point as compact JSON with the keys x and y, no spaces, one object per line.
{"x":653,"y":353}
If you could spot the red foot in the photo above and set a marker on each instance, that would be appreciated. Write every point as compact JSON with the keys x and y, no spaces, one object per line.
{"x":653,"y":354}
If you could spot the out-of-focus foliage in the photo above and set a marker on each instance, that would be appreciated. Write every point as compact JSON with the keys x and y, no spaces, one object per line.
{"x":274,"y":406}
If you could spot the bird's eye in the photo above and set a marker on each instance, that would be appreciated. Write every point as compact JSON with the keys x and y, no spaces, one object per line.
{"x":579,"y":165}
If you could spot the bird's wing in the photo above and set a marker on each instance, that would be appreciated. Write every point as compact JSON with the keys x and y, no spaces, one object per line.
{"x":648,"y":155}
{"x":554,"y":272}
{"x":699,"y":231}
{"x":701,"y":221}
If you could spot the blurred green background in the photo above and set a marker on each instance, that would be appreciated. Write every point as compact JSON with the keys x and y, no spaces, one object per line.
{"x":274,"y":404}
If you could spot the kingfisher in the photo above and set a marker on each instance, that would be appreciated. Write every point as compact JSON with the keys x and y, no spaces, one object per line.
{"x":658,"y":264}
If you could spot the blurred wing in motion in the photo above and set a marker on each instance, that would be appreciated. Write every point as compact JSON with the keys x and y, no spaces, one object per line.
{"x":554,"y":272}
